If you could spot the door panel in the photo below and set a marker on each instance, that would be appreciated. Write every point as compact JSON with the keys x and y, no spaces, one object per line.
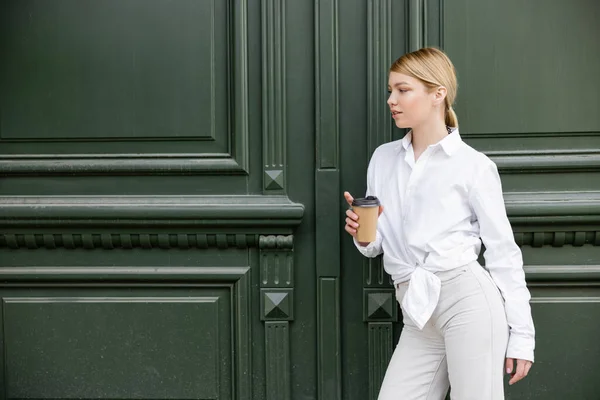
{"x":108,"y":344}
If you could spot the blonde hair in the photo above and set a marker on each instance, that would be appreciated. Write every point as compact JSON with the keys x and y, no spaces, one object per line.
{"x":432,"y":67}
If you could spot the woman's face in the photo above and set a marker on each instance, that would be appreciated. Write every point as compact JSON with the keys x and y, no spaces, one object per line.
{"x":410,"y":101}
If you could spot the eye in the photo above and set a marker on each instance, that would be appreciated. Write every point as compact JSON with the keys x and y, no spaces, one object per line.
{"x":402,"y":90}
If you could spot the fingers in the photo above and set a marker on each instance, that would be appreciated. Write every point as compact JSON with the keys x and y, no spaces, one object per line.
{"x":380,"y":210}
{"x":351,"y":223}
{"x":352,"y":215}
{"x":528,"y":367}
{"x":350,"y":230}
{"x":348,"y":198}
{"x":510,"y":363}
{"x":519,"y":373}
{"x":523,"y":367}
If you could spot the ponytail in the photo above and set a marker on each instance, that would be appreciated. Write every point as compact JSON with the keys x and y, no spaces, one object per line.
{"x":451,"y":118}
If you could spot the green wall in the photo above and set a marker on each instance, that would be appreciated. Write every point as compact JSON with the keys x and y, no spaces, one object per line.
{"x":171,"y":178}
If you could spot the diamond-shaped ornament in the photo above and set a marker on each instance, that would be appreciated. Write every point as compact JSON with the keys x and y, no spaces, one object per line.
{"x":274,"y":179}
{"x":276,"y":305}
{"x":380,"y":305}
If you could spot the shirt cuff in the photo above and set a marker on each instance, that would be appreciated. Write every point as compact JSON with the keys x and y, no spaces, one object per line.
{"x":520,"y":347}
{"x":373,"y":249}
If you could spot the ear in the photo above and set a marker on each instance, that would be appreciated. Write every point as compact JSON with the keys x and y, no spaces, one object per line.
{"x":439,"y":95}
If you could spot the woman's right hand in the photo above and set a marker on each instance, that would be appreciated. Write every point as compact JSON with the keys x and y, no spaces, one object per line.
{"x":352,"y":218}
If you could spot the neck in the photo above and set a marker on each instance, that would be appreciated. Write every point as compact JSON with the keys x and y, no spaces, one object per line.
{"x":428,"y":133}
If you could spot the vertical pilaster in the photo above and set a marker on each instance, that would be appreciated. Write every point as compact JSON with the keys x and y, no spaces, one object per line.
{"x":277,"y":311}
{"x":273,"y":96}
{"x":327,"y":200}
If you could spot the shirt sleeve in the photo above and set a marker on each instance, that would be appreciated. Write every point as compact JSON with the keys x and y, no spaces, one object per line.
{"x":504,"y":260}
{"x":374,"y":248}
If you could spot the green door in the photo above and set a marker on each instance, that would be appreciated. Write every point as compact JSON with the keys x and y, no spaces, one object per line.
{"x":528,"y":97}
{"x":171,"y":178}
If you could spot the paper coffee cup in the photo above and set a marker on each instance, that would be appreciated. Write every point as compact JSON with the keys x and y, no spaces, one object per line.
{"x":367,"y":209}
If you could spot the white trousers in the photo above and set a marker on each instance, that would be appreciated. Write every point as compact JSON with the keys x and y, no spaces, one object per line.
{"x":462,"y":346}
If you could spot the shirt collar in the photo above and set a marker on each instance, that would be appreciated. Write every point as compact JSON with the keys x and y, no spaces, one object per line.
{"x":450,"y":143}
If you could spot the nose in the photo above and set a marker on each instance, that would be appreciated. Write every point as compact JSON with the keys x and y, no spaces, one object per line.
{"x":391,"y":101}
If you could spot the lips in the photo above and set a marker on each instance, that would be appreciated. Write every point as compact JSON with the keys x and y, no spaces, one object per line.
{"x":396,"y":113}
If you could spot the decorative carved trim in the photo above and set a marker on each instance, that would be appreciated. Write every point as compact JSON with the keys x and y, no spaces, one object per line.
{"x":277,"y":308}
{"x":277,"y":269}
{"x":276,"y":257}
{"x":277,"y":304}
{"x":557,"y":239}
{"x":110,"y":241}
{"x":380,"y":305}
{"x":380,"y":352}
{"x":374,"y":274}
{"x":274,"y":94}
{"x":276,"y":242}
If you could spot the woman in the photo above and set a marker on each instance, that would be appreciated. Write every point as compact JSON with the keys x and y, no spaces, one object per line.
{"x":442,"y":198}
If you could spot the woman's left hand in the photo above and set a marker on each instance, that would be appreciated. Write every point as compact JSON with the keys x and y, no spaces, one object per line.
{"x":518,"y":373}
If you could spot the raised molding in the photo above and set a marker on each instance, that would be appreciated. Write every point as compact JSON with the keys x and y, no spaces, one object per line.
{"x":200,"y":213}
{"x":327,"y":204}
{"x":524,"y":135}
{"x":126,"y":164}
{"x":562,"y":273}
{"x":240,"y":145}
{"x":274,"y":94}
{"x":234,"y":161}
{"x":83,"y":274}
{"x":539,"y":161}
{"x":329,"y":338}
{"x":416,"y":24}
{"x":326,"y":83}
{"x":532,"y":211}
{"x":560,"y":299}
{"x":277,"y":353}
{"x":379,"y":59}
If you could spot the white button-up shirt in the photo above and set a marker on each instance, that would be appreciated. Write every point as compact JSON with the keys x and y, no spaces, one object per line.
{"x":436,"y":213}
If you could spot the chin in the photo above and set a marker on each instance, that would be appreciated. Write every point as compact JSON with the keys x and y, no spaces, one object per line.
{"x":402,"y":124}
